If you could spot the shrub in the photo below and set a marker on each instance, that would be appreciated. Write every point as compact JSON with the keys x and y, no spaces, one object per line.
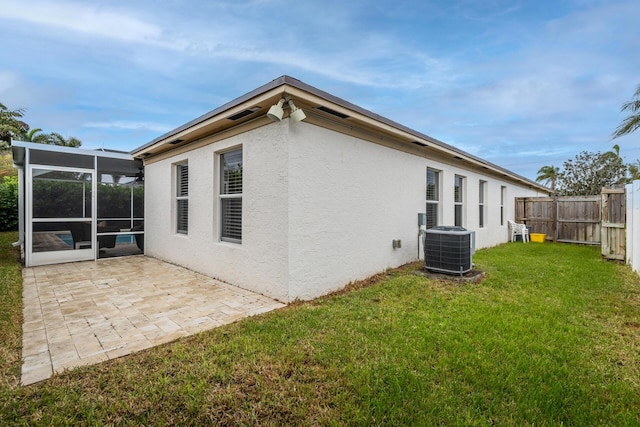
{"x":9,"y":204}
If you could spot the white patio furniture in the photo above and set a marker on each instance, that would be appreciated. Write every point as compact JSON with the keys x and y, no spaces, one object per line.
{"x":516,"y":229}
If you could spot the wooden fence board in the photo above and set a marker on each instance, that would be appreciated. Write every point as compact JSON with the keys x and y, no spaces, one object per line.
{"x":579,"y":219}
{"x":562,"y":219}
{"x":590,"y":220}
{"x":539,"y":215}
{"x":614,"y":211}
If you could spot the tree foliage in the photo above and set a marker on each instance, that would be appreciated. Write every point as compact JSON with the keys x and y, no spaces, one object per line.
{"x":61,"y":198}
{"x":634,"y":171}
{"x":588,"y":173}
{"x":33,"y":135}
{"x":57,"y":139}
{"x":6,"y":165}
{"x":632,"y":122}
{"x":9,"y":203}
{"x":53,"y":138}
{"x":114,"y":201}
{"x":10,"y":125}
{"x":12,"y":128}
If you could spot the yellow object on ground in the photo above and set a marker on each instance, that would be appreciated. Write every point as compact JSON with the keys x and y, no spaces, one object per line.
{"x":537,"y":237}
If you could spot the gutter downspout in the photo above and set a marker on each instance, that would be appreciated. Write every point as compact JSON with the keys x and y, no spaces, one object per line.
{"x":20,"y":208}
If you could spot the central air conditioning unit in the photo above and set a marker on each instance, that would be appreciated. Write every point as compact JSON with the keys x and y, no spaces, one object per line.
{"x":448,"y":249}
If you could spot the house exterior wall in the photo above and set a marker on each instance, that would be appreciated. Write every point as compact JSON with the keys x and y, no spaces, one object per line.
{"x":260,"y":263}
{"x":320,"y":209}
{"x":349,"y":199}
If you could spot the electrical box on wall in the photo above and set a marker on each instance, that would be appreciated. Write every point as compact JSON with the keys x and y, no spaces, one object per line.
{"x":422,"y":219}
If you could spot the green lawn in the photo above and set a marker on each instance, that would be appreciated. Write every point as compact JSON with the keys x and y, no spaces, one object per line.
{"x":10,"y":315}
{"x":550,"y":337}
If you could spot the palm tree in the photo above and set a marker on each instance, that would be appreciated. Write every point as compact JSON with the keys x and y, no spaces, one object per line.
{"x":632,"y":122}
{"x":57,"y":139}
{"x":612,"y":155}
{"x":31,"y":136}
{"x":548,"y":174}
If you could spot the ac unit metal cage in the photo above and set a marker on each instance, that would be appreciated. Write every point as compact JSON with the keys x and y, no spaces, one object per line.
{"x":449,"y":249}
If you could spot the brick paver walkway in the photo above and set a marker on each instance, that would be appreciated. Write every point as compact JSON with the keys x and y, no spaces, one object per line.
{"x":87,"y":312}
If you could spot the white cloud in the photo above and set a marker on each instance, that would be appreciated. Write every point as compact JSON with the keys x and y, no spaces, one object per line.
{"x":129,"y":125}
{"x":81,"y":17}
{"x":493,"y":80}
{"x":343,"y":53}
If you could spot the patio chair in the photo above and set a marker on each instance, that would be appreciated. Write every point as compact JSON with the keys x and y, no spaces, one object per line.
{"x":139,"y":237}
{"x":516,"y":229}
{"x":80,"y":233}
{"x":108,"y":241}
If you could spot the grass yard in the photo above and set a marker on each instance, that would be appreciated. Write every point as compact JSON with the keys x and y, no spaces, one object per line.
{"x":10,"y":316}
{"x":551,"y":337}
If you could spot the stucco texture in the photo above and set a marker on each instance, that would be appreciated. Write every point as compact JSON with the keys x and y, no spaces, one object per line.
{"x":320,"y":209}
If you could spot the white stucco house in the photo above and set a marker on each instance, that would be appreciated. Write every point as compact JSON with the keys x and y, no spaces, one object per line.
{"x":297,"y":207}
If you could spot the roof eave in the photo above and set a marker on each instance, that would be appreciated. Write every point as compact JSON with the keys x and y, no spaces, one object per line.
{"x":287,"y":83}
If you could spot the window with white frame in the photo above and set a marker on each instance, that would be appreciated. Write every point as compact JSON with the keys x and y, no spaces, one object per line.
{"x":182,"y":198}
{"x":231,"y":196}
{"x":458,"y":197}
{"x":482,"y":196}
{"x":433,"y":197}
{"x":503,"y":197}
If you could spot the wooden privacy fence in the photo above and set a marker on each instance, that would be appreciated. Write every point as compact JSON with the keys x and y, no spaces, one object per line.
{"x":590,"y":220}
{"x":613,"y":223}
{"x":563,"y":219}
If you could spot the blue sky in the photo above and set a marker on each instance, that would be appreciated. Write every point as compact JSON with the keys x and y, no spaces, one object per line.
{"x":521,"y":84}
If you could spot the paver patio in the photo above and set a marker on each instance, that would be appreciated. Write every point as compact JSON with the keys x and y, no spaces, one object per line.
{"x":88,"y":312}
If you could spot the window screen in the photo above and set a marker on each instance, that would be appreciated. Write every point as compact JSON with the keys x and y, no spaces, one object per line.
{"x":182,"y":198}
{"x":481,"y":205}
{"x":433,"y":197}
{"x":503,"y":197}
{"x":457,"y":200}
{"x":231,"y":196}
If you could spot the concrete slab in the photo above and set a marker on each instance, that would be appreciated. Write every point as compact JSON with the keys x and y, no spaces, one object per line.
{"x":473,"y":276}
{"x":82,"y":313}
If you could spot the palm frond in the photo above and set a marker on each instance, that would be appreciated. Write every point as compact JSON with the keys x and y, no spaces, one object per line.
{"x":628,"y":125}
{"x":631,"y":123}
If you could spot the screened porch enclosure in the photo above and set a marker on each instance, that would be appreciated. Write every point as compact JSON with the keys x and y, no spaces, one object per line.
{"x":78,"y":204}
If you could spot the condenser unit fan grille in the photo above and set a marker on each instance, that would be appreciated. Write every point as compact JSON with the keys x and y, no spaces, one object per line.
{"x":448,"y":249}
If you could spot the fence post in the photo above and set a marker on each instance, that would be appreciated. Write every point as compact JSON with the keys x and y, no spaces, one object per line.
{"x":633,"y":225}
{"x":554,"y":218}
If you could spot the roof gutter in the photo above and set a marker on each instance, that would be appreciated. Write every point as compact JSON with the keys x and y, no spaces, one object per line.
{"x":297,"y":88}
